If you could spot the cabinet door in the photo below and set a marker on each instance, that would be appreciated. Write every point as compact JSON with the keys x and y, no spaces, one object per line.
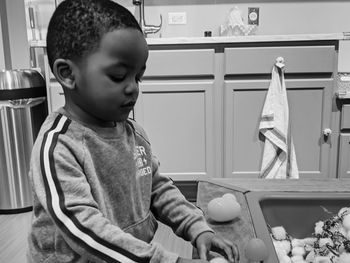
{"x":178,"y":119}
{"x":344,"y":143}
{"x":310,"y":103}
{"x":344,"y":156}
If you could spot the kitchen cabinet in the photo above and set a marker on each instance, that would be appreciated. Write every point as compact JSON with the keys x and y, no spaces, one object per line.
{"x":344,"y":144}
{"x":244,"y":147}
{"x":309,"y":83}
{"x":200,"y":105}
{"x":175,"y":107}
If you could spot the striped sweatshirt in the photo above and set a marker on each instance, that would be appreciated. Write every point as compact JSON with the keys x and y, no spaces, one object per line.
{"x":98,"y":195}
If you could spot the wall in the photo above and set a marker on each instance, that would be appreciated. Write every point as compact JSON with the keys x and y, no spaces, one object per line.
{"x":276,"y":17}
{"x":2,"y":54}
{"x":14,"y":35}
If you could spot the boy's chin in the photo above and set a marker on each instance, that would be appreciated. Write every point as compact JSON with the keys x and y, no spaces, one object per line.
{"x":120,"y":118}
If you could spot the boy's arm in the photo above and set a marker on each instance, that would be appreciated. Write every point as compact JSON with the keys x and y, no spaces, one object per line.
{"x":172,"y":208}
{"x":64,"y":192}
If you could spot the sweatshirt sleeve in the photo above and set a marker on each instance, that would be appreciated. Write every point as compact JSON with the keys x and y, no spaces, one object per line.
{"x":171,"y":207}
{"x":64,"y":192}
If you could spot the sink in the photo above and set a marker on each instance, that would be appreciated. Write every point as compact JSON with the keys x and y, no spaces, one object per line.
{"x":297,"y":212}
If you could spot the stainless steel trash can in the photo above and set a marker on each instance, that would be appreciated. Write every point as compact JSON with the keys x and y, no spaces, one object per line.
{"x":23,"y":109}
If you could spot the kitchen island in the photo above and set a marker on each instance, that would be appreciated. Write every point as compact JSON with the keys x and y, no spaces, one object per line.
{"x":251,"y":223}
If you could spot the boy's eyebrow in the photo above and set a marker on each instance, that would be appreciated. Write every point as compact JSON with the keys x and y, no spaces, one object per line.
{"x":122,"y":64}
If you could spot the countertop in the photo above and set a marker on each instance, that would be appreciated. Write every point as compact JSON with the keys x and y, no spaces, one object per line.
{"x":240,"y":230}
{"x":233,"y":39}
{"x":243,"y":39}
{"x":292,"y":185}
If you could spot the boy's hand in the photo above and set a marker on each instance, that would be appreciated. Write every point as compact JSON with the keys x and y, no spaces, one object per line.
{"x":209,"y":241}
{"x":185,"y":260}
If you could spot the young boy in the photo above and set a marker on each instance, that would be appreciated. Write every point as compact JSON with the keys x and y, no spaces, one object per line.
{"x":97,"y":188}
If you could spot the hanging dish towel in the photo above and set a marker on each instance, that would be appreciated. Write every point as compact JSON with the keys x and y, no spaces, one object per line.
{"x":279,"y":155}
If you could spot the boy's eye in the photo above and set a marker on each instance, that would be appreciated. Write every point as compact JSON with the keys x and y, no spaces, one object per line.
{"x":116,"y":78}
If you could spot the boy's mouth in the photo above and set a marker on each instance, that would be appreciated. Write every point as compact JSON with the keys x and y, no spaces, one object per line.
{"x":129,"y":104}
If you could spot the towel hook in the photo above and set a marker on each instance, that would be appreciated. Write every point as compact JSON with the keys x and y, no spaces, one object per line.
{"x":280,"y":62}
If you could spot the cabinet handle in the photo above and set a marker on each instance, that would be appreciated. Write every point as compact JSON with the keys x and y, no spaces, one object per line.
{"x":280,"y":62}
{"x":327,"y":132}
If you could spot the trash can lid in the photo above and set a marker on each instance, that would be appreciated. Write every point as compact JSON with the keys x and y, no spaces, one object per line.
{"x":21,"y":83}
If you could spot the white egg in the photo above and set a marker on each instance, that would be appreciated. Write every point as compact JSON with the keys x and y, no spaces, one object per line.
{"x":344,"y":210}
{"x":322,"y":259}
{"x":297,"y":242}
{"x":311,"y":256}
{"x":341,"y":249}
{"x":229,"y":197}
{"x":309,"y":240}
{"x":235,"y":209}
{"x":285,"y":259}
{"x":344,"y":258}
{"x":346,"y":222}
{"x":215,"y":207}
{"x":218,"y":260}
{"x":221,"y":210}
{"x":279,"y":232}
{"x":280,"y":254}
{"x":285,"y":244}
{"x":298,"y":251}
{"x":296,"y":258}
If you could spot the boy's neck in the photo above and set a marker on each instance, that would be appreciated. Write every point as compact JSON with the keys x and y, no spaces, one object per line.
{"x":80,"y":115}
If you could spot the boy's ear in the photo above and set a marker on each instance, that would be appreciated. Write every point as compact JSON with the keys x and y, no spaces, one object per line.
{"x":62,"y":69}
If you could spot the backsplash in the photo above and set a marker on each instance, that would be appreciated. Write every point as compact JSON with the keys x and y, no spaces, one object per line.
{"x":277,"y":17}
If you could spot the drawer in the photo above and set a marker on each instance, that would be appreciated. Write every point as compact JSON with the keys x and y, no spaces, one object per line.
{"x":343,"y":56}
{"x":345,"y":117}
{"x":180,"y":63}
{"x":259,"y":60}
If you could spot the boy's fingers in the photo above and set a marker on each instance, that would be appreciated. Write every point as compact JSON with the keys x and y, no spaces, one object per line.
{"x":229,"y":251}
{"x":235,"y":251}
{"x":202,"y":251}
{"x":228,"y":248}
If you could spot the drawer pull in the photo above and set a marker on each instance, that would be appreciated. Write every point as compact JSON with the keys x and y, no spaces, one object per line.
{"x":280,"y":62}
{"x":327,"y":132}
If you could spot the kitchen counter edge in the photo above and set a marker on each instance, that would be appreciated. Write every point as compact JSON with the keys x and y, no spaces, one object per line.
{"x":232,"y":39}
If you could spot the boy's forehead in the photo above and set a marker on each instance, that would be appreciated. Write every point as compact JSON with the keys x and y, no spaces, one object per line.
{"x":124,"y":42}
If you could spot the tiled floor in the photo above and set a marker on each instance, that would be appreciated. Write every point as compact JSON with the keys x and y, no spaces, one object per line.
{"x":14,"y":229}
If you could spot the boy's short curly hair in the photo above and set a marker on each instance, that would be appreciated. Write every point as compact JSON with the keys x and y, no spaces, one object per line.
{"x":77,"y":27}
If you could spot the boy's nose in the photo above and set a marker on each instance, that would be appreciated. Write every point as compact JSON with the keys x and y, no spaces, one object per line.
{"x":132,"y":87}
